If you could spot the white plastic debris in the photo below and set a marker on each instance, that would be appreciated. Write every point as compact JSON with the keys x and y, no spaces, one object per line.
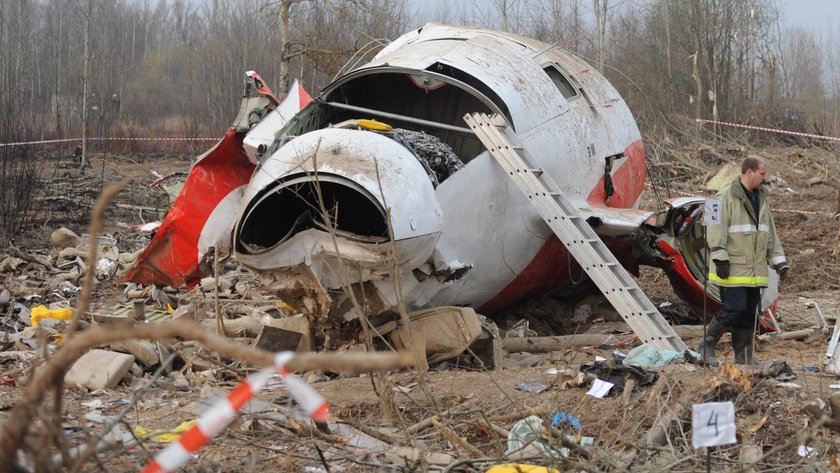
{"x":105,"y":268}
{"x":529,"y":432}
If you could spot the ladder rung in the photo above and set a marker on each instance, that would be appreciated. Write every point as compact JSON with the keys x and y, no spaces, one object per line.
{"x":578,"y":237}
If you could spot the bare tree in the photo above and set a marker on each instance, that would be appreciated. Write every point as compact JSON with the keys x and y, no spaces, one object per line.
{"x":599,"y":9}
{"x":87,"y":13}
{"x":283,"y":81}
{"x":802,"y":85}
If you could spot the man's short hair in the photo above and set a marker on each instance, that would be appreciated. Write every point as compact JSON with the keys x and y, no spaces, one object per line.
{"x":751,"y":163}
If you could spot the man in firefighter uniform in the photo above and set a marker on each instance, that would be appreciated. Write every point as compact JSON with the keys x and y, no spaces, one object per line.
{"x":743,"y":245}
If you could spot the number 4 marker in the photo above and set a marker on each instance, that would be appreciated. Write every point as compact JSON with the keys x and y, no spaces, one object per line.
{"x":712,"y":424}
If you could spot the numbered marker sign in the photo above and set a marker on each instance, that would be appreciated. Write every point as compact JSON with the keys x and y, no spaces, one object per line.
{"x":712,"y":424}
{"x":712,"y":212}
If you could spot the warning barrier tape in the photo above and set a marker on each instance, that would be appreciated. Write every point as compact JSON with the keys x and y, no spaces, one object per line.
{"x":21,"y":143}
{"x":172,"y":138}
{"x":66,"y":140}
{"x":770,"y":130}
{"x":223,"y":412}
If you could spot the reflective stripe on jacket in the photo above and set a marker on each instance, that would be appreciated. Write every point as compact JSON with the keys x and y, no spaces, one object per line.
{"x":749,"y":244}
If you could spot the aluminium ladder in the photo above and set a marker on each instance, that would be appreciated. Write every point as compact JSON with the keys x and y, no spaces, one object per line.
{"x":573,"y":231}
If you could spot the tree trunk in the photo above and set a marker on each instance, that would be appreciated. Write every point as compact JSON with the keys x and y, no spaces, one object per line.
{"x":599,"y":8}
{"x":86,"y":80}
{"x":58,"y":72}
{"x":283,"y":81}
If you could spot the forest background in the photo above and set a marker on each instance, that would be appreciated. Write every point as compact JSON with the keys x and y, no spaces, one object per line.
{"x":175,"y":67}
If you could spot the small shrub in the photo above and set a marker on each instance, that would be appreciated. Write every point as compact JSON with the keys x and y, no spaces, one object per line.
{"x":18,"y":177}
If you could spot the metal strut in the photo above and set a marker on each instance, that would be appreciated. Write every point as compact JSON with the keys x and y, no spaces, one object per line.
{"x":573,"y":231}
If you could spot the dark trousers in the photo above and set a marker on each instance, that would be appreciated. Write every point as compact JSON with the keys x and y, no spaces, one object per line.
{"x":740,"y":306}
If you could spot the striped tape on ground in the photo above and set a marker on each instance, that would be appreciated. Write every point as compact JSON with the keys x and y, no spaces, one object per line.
{"x":223,"y":412}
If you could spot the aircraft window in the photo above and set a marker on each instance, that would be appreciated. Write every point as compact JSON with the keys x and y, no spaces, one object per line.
{"x":462,"y":76}
{"x":561,"y":82}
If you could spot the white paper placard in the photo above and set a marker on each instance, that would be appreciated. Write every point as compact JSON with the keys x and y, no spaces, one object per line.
{"x":806,"y":452}
{"x":712,"y":212}
{"x":599,"y":388}
{"x":712,"y":424}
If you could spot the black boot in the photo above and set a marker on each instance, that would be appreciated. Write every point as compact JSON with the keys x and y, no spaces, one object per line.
{"x":742,"y":345}
{"x":707,"y":347}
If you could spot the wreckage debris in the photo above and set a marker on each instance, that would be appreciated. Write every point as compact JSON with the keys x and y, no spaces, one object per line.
{"x":558,"y":445}
{"x":440,"y":424}
{"x":98,"y":369}
{"x":250,"y":313}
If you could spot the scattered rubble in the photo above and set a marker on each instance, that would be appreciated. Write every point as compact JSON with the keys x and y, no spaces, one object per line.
{"x":98,"y":369}
{"x":459,"y":413}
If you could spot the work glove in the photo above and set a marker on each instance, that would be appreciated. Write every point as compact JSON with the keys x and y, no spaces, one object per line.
{"x":782,"y":269}
{"x":722,"y":268}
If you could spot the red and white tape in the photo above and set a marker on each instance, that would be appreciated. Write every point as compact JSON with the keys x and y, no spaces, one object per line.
{"x":170,"y":138}
{"x":769,"y":130}
{"x":67,"y":140}
{"x":22,"y":143}
{"x":223,"y":412}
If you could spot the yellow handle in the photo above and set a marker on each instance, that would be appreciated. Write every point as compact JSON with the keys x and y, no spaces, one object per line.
{"x":375,"y":125}
{"x":41,"y":312}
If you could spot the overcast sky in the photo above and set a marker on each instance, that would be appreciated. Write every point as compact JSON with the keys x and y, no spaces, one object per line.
{"x":818,"y":15}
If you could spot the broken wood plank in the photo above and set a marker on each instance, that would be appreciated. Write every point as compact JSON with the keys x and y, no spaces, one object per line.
{"x":628,"y":391}
{"x":373,"y":432}
{"x":561,"y":342}
{"x":408,"y":454}
{"x":34,"y":259}
{"x":540,"y":410}
{"x":413,"y":429}
{"x":453,"y":437}
{"x":797,"y":334}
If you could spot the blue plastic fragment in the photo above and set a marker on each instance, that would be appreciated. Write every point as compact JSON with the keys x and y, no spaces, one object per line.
{"x":562,"y":417}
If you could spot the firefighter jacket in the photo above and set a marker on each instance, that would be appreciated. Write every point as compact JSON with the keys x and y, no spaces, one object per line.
{"x":747,"y":241}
